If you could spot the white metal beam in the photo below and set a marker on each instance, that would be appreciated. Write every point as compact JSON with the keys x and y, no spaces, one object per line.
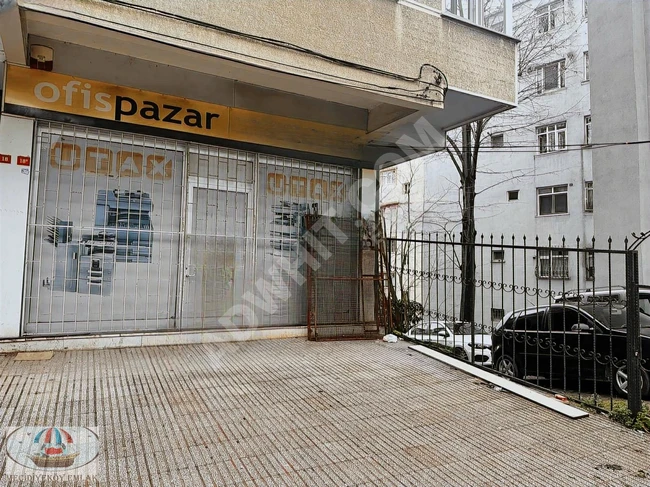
{"x":508,"y":385}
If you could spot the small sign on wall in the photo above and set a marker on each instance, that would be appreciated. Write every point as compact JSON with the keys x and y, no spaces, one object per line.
{"x":5,"y":159}
{"x":23,"y":160}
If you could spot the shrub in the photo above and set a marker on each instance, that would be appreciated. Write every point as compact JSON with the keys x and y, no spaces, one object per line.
{"x":406,"y":314}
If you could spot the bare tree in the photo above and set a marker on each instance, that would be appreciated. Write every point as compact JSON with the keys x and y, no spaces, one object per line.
{"x":542,"y":41}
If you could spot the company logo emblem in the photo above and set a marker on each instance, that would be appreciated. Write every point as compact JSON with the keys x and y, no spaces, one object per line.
{"x":36,"y":449}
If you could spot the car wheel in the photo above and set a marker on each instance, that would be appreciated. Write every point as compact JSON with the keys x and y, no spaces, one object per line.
{"x":507,"y":366}
{"x":461,"y":354}
{"x":620,"y":381}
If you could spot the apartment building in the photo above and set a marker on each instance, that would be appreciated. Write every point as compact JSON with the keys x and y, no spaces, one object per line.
{"x":535,"y":175}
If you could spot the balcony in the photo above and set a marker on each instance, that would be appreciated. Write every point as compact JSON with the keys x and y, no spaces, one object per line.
{"x":495,"y":15}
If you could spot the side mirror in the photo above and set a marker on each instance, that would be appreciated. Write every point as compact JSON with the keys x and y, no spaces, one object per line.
{"x":581,"y":327}
{"x":442,"y":334}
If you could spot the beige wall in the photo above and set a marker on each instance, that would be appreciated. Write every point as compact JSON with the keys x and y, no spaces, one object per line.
{"x":381,"y":34}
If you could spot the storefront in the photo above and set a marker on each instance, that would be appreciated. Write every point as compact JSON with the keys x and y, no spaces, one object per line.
{"x":128,"y":232}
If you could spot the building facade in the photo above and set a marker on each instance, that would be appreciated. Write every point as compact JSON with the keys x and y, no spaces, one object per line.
{"x":159,"y":159}
{"x":534,"y":176}
{"x":619,"y":37}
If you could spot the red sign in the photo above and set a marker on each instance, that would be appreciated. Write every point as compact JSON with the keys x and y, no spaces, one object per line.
{"x":23,"y":160}
{"x":5,"y":158}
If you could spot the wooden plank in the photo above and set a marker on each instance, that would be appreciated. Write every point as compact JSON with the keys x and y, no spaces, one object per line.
{"x":508,"y":385}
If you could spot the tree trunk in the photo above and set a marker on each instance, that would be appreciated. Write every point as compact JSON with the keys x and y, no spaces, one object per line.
{"x":468,"y":235}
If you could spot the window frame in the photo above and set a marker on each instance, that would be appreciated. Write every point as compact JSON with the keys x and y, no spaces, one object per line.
{"x":563,"y":254}
{"x":550,"y":11}
{"x":589,"y":188}
{"x":495,"y":259}
{"x":560,"y":65}
{"x":384,"y":176}
{"x":554,"y":130}
{"x":554,"y":191}
{"x":587,"y":125}
{"x":585,"y":66}
{"x":497,"y":137}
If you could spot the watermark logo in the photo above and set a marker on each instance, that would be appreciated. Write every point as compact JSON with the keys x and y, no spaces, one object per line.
{"x":53,"y":452}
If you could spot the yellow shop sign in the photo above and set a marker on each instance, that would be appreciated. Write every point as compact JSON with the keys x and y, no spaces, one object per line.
{"x":78,"y":96}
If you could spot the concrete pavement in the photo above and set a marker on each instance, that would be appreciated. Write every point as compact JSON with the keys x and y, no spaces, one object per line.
{"x":293,"y":412}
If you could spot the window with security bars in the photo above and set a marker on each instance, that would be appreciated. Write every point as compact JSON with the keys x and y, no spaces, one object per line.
{"x":589,"y":196}
{"x":553,"y":200}
{"x":553,"y":264}
{"x":550,"y":16}
{"x":551,"y":76}
{"x":551,"y":137}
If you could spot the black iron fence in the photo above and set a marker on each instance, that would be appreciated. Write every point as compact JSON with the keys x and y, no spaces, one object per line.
{"x":567,"y":317}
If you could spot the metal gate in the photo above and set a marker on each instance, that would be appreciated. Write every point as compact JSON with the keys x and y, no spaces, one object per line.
{"x":132,"y":233}
{"x":104,"y":232}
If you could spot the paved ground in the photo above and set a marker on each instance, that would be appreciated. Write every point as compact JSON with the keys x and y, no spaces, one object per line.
{"x":292,"y":412}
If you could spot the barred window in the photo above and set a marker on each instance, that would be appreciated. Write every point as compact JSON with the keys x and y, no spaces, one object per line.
{"x":553,"y":264}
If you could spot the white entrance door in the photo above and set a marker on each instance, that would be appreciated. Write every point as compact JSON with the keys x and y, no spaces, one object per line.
{"x":218,"y":246}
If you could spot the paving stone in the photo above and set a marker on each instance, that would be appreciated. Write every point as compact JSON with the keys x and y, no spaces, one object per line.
{"x":293,"y":412}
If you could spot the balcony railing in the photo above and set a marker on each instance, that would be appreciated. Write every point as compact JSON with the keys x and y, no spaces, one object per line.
{"x":492,"y":14}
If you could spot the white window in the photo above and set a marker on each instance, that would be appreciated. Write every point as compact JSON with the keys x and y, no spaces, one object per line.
{"x":551,"y":76}
{"x":553,"y":200}
{"x":589,"y":196}
{"x":553,"y":264}
{"x":387,"y":178}
{"x":585,"y":59}
{"x":513,"y":195}
{"x":498,"y":256}
{"x":496,"y":140}
{"x":588,"y":130}
{"x":550,"y":16}
{"x":551,"y":137}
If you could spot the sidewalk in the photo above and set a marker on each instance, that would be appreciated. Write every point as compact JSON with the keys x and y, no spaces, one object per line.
{"x":293,"y":412}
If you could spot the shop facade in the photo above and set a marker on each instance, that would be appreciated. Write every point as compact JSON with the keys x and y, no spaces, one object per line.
{"x":129,"y":232}
{"x":160,"y":166}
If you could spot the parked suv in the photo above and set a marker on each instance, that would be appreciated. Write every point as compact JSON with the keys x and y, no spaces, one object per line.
{"x":561,"y":340}
{"x":608,"y":305}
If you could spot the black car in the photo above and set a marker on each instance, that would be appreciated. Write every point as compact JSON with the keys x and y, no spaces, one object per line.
{"x":560,"y":340}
